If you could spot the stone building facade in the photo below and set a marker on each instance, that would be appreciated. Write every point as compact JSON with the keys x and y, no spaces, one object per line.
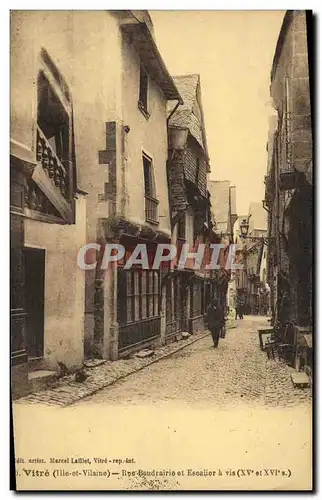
{"x":288,"y":196}
{"x":252,"y":283}
{"x":188,"y":166}
{"x":125,"y":308}
{"x":47,"y":206}
{"x":88,"y":166}
{"x":106,"y":149}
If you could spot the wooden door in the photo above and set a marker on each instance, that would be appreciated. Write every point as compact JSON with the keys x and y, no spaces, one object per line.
{"x":34,"y":300}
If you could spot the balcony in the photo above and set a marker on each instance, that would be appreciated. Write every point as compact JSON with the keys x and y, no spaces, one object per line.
{"x":51,"y":164}
{"x":151,"y":210}
{"x":49,"y":191}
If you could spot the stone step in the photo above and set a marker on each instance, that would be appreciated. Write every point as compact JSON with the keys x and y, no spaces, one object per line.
{"x":41,"y":379}
{"x":144,"y":353}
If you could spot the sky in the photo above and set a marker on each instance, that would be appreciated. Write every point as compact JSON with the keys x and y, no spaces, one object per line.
{"x":233,"y":53}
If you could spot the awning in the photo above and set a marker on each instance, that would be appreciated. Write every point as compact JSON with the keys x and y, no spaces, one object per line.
{"x":144,"y":44}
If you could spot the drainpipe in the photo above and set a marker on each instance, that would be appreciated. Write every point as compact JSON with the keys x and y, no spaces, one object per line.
{"x":180,"y":102}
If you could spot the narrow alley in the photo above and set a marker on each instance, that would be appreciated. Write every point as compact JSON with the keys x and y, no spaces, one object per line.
{"x":159,"y":190}
{"x":237,"y":371}
{"x":213,"y":411}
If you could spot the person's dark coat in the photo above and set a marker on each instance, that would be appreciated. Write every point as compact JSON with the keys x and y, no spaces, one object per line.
{"x":214,"y":321}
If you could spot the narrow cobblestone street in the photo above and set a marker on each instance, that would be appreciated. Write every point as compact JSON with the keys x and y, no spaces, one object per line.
{"x":236,"y":372}
{"x":201,"y":409}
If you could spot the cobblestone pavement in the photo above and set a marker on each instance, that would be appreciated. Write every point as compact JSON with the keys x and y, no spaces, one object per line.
{"x":67,"y":391}
{"x":237,"y":372}
{"x":199,"y":409}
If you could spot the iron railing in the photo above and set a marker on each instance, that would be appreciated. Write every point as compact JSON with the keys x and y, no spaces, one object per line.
{"x":151,"y":209}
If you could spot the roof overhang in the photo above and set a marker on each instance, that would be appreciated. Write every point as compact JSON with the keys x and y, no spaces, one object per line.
{"x":144,"y":44}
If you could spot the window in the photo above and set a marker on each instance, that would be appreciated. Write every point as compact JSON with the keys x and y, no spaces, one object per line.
{"x":53,"y":119}
{"x":197,"y":299}
{"x":148,"y":176}
{"x":55,"y":151}
{"x":182,"y":226}
{"x":142,"y":295}
{"x":143,"y":92}
{"x":151,"y":203}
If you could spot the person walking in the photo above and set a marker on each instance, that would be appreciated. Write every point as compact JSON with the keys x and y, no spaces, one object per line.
{"x":239,"y":308}
{"x":241,"y":311}
{"x":213,"y":320}
{"x":223,"y":318}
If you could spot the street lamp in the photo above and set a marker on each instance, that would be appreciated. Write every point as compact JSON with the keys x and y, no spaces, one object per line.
{"x":244,"y":227}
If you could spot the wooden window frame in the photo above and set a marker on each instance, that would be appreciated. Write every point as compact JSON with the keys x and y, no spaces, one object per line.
{"x":134,"y":296}
{"x":54,"y":173}
{"x":197,"y":299}
{"x":151,"y":202}
{"x":147,"y":160}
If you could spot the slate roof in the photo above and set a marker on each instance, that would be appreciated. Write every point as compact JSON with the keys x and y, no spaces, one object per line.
{"x":183,"y":116}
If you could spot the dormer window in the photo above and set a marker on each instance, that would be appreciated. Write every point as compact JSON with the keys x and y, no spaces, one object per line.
{"x":143,"y":91}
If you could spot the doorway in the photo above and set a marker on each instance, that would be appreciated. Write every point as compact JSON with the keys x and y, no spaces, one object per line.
{"x":34,"y":300}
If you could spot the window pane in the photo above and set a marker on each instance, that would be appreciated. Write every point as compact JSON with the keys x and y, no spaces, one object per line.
{"x":137,"y":308}
{"x":129,"y":288}
{"x":129,"y":310}
{"x":144,"y":311}
{"x":143,"y":283}
{"x":156,"y":294}
{"x":147,"y":176}
{"x":156,"y":281}
{"x":150,"y":282}
{"x":143,"y":294}
{"x":169,"y":300}
{"x":156,"y":304}
{"x":136,"y":283}
{"x":137,"y":295}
